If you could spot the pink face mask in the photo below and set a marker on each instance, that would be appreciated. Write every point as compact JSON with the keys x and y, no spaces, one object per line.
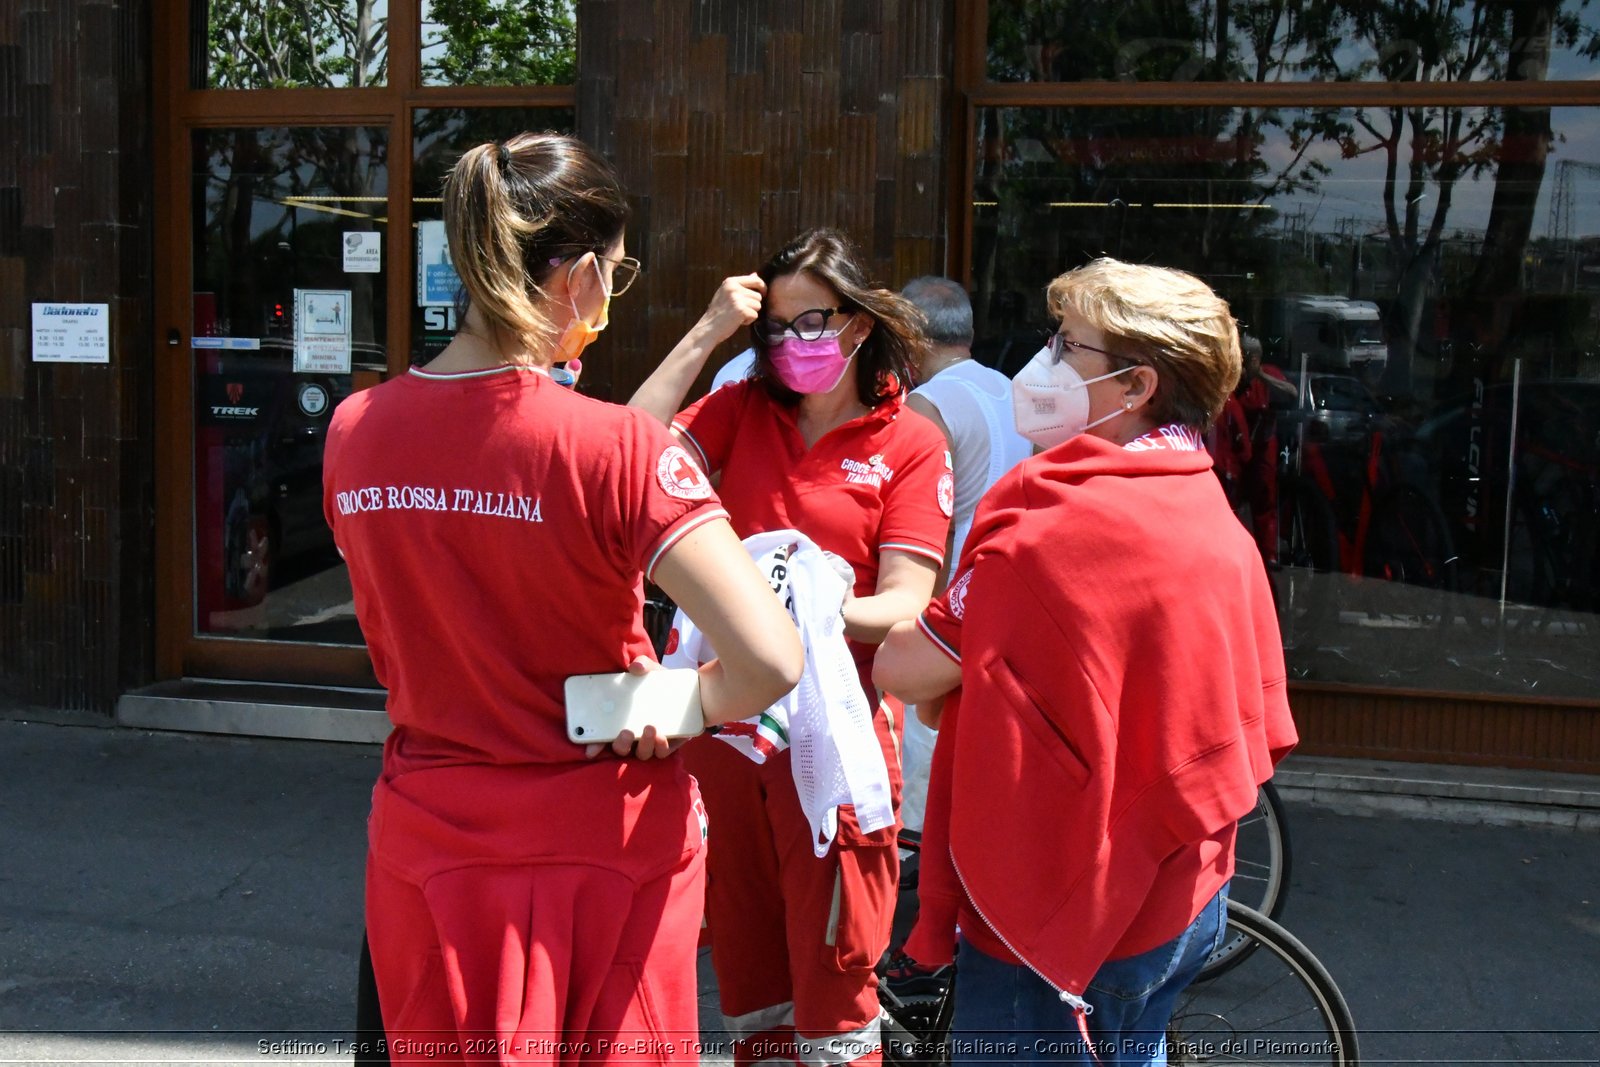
{"x":810,"y":366}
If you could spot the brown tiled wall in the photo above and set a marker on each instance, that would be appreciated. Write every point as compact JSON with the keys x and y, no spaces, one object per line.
{"x":76,"y":468}
{"x":749,"y":120}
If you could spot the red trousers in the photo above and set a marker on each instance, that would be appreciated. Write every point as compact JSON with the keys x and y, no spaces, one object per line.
{"x":794,"y":938}
{"x":493,"y":946}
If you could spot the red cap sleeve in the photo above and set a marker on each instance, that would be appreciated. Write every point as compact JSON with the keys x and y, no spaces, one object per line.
{"x":918,"y":500}
{"x":657,"y":493}
{"x":707,"y":426}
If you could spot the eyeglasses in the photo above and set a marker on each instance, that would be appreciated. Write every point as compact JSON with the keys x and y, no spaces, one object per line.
{"x":624,"y":271}
{"x":1059,"y":343}
{"x":808,"y":325}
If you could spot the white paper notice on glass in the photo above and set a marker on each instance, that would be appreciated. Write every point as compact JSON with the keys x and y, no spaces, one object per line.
{"x":71,"y":333}
{"x":363,"y":252}
{"x":437,"y":282}
{"x":322,"y":331}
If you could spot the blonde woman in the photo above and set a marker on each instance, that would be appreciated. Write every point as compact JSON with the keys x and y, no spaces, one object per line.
{"x":526,"y":898}
{"x":1122,"y":689}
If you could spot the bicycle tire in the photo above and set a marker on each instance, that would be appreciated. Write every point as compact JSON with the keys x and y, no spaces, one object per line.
{"x":1263,"y":863}
{"x":1281,"y":1007}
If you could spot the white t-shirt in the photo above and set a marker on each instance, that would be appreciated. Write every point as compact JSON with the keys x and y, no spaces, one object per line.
{"x":975,"y":403}
{"x":736,"y":369}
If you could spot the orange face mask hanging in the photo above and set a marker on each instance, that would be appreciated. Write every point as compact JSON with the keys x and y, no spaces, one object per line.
{"x":580,"y":334}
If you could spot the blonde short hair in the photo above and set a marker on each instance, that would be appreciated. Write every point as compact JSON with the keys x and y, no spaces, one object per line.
{"x":1166,"y":319}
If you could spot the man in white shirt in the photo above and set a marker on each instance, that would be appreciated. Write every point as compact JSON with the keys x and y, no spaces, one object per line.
{"x":971,"y":405}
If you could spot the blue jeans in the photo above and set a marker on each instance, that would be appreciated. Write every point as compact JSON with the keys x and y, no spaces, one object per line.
{"x":1007,"y":1014}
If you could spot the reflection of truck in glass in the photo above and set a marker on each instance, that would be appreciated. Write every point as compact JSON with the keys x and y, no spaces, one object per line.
{"x":1333,"y":333}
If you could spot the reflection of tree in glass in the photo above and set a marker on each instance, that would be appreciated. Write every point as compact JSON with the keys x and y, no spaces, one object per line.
{"x":499,"y":42}
{"x":1270,"y":40}
{"x":1427,"y":151}
{"x":264,"y":226}
{"x":296,"y":43}
{"x":1191,"y":188}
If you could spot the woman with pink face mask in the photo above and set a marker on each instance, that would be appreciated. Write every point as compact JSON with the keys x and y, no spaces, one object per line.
{"x":819,"y":440}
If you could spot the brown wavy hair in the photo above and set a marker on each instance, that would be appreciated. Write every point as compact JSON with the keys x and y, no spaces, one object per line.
{"x":513,"y":211}
{"x":887,"y":359}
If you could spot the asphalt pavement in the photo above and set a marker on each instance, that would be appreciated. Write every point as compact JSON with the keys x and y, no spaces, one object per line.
{"x":175,"y":898}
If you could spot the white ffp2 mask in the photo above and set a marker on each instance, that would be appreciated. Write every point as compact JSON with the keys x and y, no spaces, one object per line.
{"x":1051,"y":400}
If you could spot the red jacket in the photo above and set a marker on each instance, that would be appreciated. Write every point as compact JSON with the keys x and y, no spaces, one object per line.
{"x":1123,"y":693}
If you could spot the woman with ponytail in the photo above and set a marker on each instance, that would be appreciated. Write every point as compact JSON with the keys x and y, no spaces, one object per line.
{"x":529,"y":899}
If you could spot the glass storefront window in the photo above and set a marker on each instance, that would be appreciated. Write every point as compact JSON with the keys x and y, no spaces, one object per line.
{"x":1424,"y":284}
{"x":440,"y":135}
{"x":292,"y":44}
{"x":1270,"y":41}
{"x":499,"y":42}
{"x":289,"y":299}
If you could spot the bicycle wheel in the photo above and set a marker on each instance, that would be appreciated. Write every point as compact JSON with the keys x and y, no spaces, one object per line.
{"x":1278,"y":1006}
{"x":1261,"y":868}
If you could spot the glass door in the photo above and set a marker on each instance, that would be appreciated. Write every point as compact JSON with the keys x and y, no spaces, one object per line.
{"x":288,"y":232}
{"x":300,"y":145}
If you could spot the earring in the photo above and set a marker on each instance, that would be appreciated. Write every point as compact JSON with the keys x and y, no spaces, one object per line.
{"x":1128,"y":404}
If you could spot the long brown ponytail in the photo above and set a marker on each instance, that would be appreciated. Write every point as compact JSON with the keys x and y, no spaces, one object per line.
{"x":513,"y":211}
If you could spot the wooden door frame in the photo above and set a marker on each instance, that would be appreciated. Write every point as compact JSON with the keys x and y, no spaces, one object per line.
{"x":180,"y":109}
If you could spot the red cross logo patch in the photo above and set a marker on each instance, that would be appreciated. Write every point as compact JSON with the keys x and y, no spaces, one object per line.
{"x":679,"y":477}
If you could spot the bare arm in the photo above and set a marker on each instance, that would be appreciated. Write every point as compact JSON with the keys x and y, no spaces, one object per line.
{"x":905,"y":582}
{"x":923,"y":407}
{"x":737,"y":303}
{"x":913,"y":668}
{"x":711,"y":577}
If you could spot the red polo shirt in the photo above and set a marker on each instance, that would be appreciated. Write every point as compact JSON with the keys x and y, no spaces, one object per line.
{"x":496,"y":526}
{"x":881,"y":481}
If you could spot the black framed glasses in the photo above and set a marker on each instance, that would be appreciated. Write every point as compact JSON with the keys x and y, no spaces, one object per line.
{"x":808,"y":325}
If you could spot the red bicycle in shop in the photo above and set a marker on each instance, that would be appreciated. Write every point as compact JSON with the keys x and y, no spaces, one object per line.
{"x":1357,"y":531}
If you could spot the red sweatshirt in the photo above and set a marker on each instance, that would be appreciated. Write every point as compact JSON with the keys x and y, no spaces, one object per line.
{"x":1123,"y":696}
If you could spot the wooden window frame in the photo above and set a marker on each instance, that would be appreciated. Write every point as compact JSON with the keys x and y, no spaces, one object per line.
{"x":179,"y":110}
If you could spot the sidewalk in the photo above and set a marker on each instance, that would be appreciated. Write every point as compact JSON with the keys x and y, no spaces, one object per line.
{"x":174,"y":898}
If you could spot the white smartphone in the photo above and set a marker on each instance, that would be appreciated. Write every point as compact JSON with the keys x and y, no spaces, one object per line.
{"x":600,"y":706}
